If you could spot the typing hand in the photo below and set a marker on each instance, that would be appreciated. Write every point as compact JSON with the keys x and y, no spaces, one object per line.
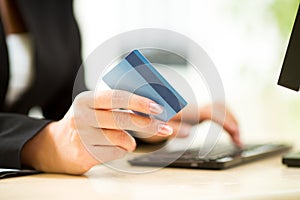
{"x":95,"y":119}
{"x":229,"y":123}
{"x":182,"y":126}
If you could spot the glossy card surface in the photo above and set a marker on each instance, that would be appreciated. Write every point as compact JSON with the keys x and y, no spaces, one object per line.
{"x":137,"y":75}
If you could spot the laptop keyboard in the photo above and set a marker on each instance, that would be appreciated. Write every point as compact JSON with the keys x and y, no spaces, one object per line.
{"x":221,"y":153}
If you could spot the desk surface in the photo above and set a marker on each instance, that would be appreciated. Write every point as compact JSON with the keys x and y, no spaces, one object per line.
{"x":265,"y":179}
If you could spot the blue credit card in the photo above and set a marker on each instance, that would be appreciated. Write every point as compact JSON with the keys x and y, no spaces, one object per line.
{"x":137,"y":75}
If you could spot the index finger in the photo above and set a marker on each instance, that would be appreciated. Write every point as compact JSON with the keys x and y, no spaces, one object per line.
{"x":116,"y":99}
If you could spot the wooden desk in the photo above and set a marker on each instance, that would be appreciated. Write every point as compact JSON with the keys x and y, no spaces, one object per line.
{"x":265,"y":179}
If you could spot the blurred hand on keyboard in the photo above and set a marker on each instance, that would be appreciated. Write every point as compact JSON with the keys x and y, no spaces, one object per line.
{"x":216,"y":112}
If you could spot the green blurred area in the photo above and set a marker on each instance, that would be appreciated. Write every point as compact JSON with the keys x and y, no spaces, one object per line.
{"x":284,"y":12}
{"x":282,"y":105}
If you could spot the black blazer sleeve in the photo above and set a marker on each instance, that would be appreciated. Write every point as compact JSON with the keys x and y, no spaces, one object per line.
{"x":57,"y":59}
{"x":15,"y":131}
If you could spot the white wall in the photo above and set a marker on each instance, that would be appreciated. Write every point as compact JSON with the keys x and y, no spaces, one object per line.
{"x":243,"y":41}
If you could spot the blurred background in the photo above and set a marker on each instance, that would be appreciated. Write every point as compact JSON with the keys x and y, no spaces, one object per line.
{"x":246,"y":40}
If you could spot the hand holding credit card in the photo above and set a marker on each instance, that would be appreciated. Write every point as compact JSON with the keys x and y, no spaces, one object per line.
{"x":137,"y":75}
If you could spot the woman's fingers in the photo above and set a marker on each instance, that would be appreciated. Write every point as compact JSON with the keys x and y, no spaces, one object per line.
{"x":107,"y":153}
{"x":180,"y":129}
{"x":121,"y":139}
{"x":128,"y":121}
{"x":105,"y":137}
{"x":96,"y":111}
{"x":229,"y":123}
{"x":114,"y":99}
{"x":232,"y":128}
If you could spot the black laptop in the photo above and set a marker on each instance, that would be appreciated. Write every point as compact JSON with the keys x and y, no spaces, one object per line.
{"x":220,"y":157}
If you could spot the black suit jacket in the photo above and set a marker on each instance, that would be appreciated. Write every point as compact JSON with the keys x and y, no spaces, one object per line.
{"x":57,"y":59}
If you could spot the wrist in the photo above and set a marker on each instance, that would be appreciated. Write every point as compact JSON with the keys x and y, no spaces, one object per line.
{"x":38,"y":148}
{"x":57,"y":148}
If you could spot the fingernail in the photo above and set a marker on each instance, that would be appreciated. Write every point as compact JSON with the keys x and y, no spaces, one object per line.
{"x":165,"y":129}
{"x":155,"y":108}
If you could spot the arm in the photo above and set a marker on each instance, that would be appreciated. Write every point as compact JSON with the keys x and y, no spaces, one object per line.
{"x":91,"y":132}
